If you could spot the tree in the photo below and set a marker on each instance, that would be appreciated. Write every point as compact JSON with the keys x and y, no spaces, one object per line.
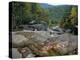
{"x":23,"y":13}
{"x":71,"y":19}
{"x":74,"y":16}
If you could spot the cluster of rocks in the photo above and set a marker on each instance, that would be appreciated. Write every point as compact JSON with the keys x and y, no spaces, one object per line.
{"x":37,"y":44}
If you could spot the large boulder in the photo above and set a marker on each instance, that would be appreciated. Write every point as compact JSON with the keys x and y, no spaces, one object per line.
{"x":18,"y":40}
{"x":67,"y":43}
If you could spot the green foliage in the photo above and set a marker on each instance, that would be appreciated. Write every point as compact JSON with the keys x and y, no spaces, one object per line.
{"x":72,"y":19}
{"x":23,"y":13}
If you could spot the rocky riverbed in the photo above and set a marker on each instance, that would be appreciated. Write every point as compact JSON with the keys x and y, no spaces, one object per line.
{"x":39,"y":44}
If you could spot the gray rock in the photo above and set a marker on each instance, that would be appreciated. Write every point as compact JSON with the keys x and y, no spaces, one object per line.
{"x":67,"y":42}
{"x":18,"y":40}
{"x":15,"y":53}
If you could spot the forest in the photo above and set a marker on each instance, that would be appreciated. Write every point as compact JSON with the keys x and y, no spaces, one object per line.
{"x":64,"y":16}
